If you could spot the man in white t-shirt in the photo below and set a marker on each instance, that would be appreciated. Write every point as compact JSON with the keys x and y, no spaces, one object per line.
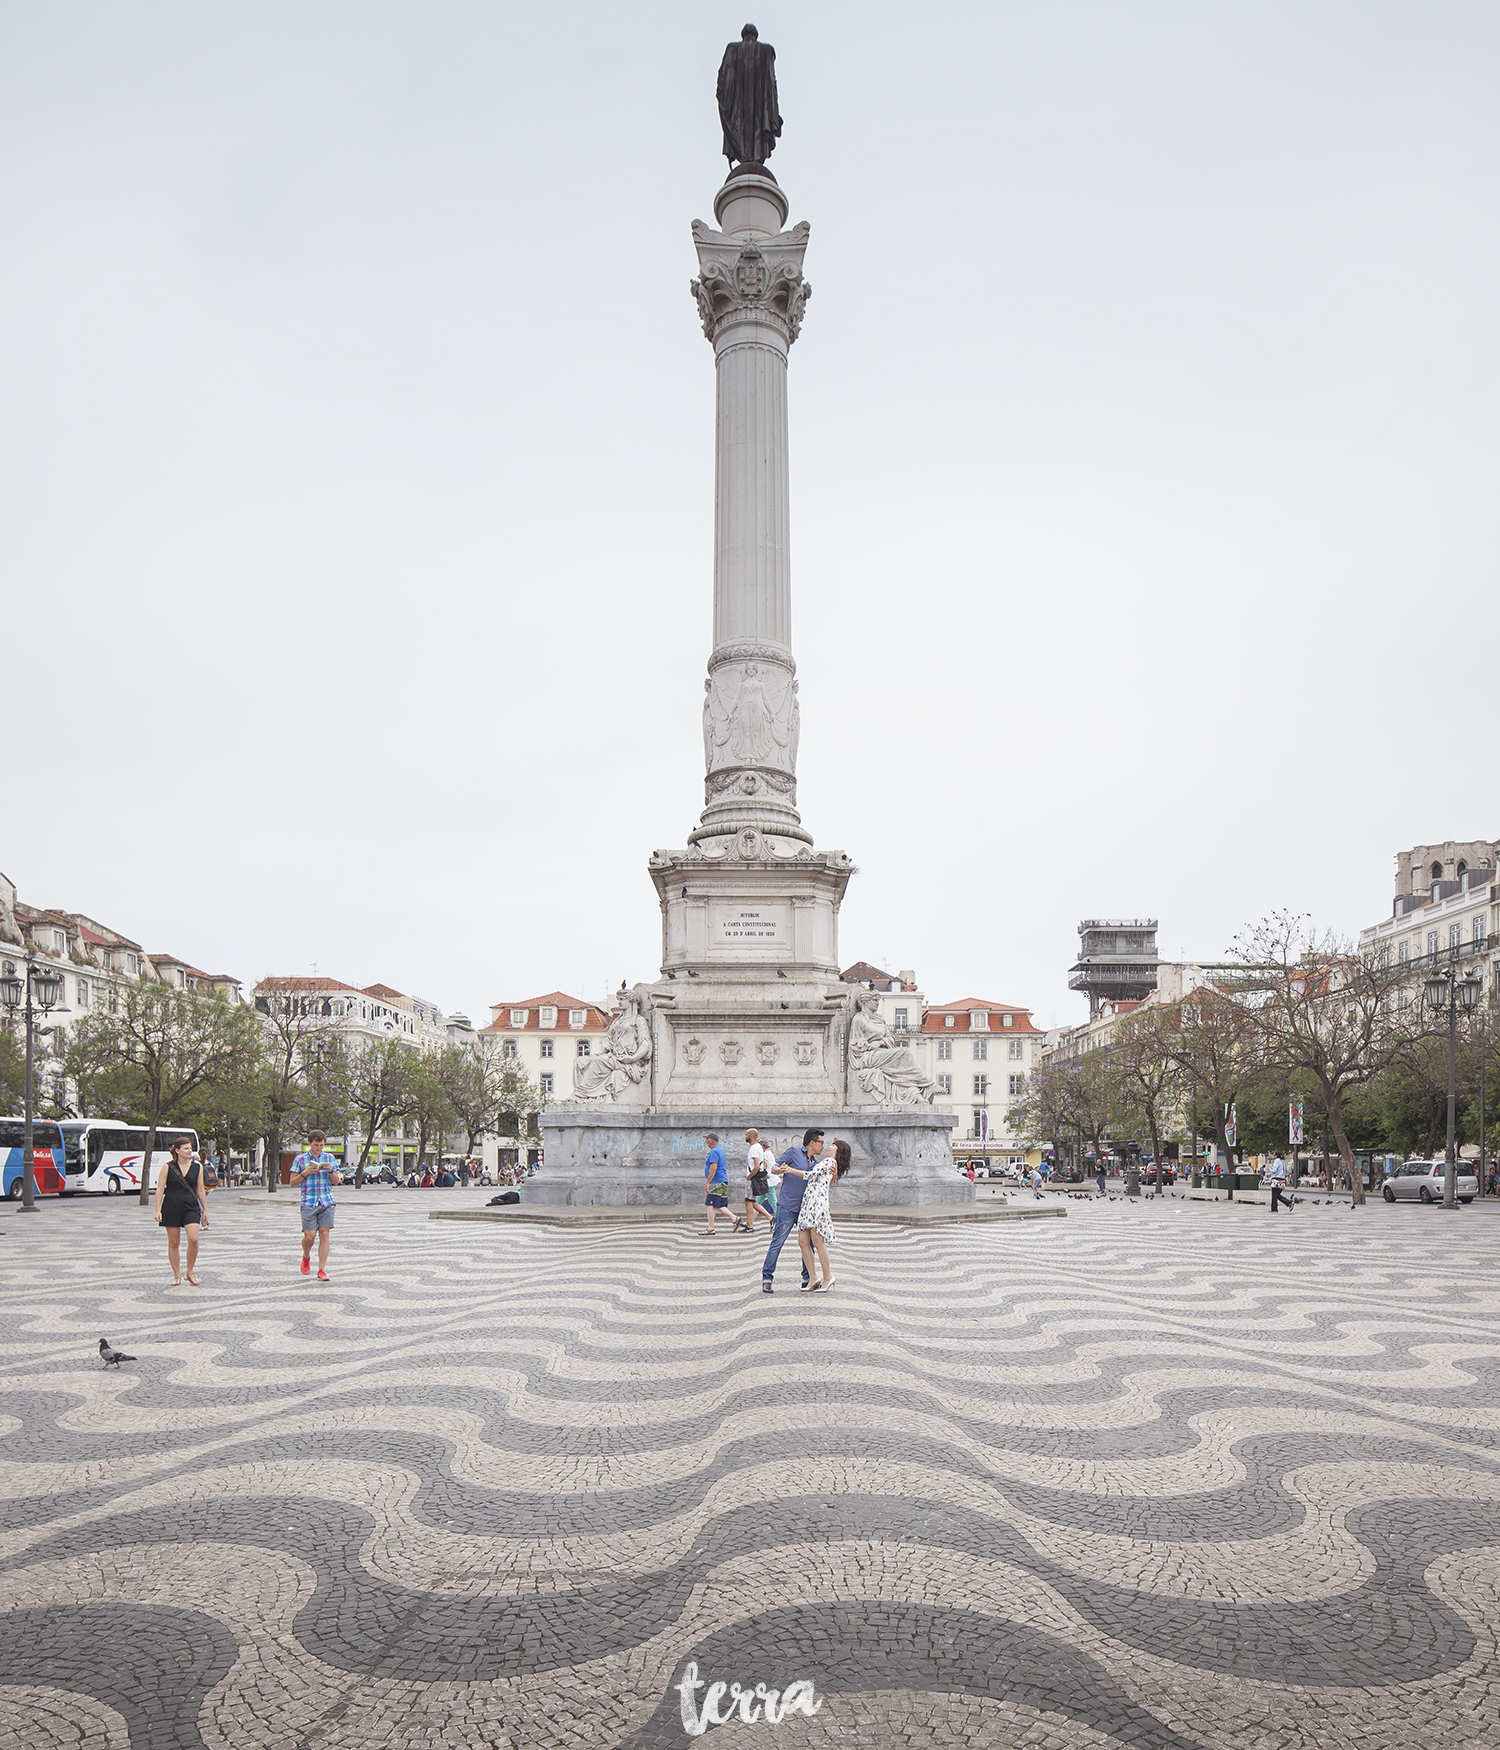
{"x":759,"y":1193}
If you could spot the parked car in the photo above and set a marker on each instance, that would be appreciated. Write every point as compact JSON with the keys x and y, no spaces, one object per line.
{"x":1422,"y":1182}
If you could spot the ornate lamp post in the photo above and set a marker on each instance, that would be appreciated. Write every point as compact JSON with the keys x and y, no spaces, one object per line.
{"x":1446,"y":990}
{"x":40,"y":993}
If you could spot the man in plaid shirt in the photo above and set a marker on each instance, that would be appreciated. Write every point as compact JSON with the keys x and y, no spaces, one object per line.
{"x":315,"y":1171}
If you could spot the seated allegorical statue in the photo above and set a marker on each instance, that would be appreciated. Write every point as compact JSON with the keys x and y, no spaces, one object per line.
{"x":886,"y":1068}
{"x":622,"y":1060}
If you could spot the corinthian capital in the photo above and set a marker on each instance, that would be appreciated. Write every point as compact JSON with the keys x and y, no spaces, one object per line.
{"x":740,"y":276}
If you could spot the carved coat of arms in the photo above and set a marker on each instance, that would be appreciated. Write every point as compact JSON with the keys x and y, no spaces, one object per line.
{"x":730,"y":1052}
{"x":751,"y":276}
{"x":694,"y":1050}
{"x":805,"y":1052}
{"x":768,"y":1051}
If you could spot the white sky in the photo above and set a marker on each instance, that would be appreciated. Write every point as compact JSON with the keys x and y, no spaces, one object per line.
{"x":356,"y":472}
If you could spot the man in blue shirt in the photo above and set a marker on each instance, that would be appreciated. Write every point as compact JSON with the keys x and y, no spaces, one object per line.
{"x":792,"y":1169}
{"x":715,"y":1179}
{"x":315,"y":1171}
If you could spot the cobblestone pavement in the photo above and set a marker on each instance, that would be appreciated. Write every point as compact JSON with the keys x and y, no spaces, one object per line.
{"x":1159,"y":1476}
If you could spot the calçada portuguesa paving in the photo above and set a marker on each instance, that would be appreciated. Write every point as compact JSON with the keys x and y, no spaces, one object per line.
{"x":1188,"y":1476}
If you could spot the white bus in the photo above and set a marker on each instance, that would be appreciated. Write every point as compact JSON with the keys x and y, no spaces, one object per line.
{"x":105,"y":1155}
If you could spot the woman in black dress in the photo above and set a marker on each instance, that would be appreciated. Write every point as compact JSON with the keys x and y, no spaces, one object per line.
{"x":177,"y":1206}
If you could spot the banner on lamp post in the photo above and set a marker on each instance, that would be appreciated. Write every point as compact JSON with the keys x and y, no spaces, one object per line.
{"x":1231,"y":1129}
{"x":1294,"y":1125}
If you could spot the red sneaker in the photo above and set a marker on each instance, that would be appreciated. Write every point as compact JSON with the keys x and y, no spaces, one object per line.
{"x":306,"y":1266}
{"x":323,"y":1276}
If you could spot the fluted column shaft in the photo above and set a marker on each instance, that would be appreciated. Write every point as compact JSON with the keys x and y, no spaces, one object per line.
{"x":751,"y":296}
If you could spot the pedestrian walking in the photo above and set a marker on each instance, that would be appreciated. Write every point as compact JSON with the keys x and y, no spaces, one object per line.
{"x":792,"y":1170}
{"x":758,"y":1192}
{"x":815,"y":1218}
{"x":715,"y":1182}
{"x":315,"y":1170}
{"x":179,"y":1208}
{"x":1278,"y":1185}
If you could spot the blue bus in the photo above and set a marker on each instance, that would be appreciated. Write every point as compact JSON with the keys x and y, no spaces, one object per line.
{"x":48,"y":1169}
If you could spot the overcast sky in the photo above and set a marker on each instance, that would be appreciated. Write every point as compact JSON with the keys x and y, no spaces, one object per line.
{"x":356,"y":429}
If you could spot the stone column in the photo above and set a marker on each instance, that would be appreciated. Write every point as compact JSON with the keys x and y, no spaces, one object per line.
{"x":751,"y":296}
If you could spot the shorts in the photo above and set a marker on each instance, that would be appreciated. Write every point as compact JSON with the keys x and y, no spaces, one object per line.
{"x":313,"y":1219}
{"x":717,"y":1198}
{"x":766,"y":1201}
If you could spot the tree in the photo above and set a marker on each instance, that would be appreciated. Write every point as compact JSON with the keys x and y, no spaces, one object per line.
{"x":483,"y":1085}
{"x":1066,"y":1094}
{"x":1147,"y":1060}
{"x":301,"y":1042}
{"x":381,"y":1076}
{"x":12,"y":1071}
{"x":1216,"y":1055}
{"x":161,"y":1050}
{"x":429,"y":1104}
{"x":1317,"y":1009}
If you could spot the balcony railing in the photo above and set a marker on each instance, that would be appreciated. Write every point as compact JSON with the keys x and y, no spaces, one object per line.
{"x":1081,"y":977}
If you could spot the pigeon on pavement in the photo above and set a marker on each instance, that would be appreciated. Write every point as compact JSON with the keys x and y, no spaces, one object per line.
{"x":112,"y":1357}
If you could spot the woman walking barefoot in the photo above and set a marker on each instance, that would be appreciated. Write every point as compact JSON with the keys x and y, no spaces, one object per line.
{"x":177,"y":1207}
{"x":815,"y":1223}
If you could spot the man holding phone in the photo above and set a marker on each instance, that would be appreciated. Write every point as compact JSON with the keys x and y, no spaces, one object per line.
{"x":316,"y":1171}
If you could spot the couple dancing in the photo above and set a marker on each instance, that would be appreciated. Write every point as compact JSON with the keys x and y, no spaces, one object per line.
{"x":807,"y":1176}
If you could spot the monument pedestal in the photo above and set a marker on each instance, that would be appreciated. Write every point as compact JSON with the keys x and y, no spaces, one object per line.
{"x":601,"y":1155}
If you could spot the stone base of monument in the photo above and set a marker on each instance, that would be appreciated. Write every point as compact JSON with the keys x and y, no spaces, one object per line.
{"x":599,"y":1156}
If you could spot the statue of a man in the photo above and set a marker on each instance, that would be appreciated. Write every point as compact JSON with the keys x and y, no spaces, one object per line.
{"x":747,"y":99}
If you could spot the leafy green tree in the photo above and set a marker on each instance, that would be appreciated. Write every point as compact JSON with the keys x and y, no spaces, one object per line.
{"x":382,"y":1075}
{"x":159,"y":1053}
{"x":1320,"y":1014}
{"x":1146,"y":1049}
{"x":12,"y":1071}
{"x":429,"y":1103}
{"x":485,"y":1088}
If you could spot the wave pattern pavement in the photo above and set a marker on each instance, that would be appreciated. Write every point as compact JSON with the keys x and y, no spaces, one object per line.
{"x":1158,"y":1477}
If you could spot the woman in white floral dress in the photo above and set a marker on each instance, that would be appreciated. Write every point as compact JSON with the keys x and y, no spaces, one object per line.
{"x":815,"y":1223}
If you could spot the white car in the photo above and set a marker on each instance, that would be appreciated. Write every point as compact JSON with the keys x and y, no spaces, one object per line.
{"x":1422,"y":1182}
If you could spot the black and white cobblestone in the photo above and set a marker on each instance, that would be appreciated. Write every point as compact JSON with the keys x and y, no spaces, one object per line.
{"x":1160,"y":1477}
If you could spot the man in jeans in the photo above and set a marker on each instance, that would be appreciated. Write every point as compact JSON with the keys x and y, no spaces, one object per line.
{"x":314,"y":1171}
{"x":792,"y":1169}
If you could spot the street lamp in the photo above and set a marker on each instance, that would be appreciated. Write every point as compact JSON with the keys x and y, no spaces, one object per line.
{"x":41,"y":991}
{"x":1446,"y":990}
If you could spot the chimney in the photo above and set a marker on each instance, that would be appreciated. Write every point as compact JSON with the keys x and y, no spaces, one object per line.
{"x":908,"y":976}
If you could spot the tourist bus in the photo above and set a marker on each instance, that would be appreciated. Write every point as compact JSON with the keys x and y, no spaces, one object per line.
{"x":46,"y":1156}
{"x":105,"y":1155}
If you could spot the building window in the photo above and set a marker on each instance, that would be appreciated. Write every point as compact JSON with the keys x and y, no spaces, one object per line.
{"x":583,"y":1047}
{"x":981,"y":1087}
{"x":1007,"y":1020}
{"x":105,"y":961}
{"x":83,"y":993}
{"x":1017,"y":1086}
{"x":979,"y":1020}
{"x":945,"y":1050}
{"x":548,"y":1016}
{"x":1017,"y":1050}
{"x":977,"y":1133}
{"x":114,"y":1000}
{"x":546,"y":1082}
{"x":1479,"y":932}
{"x":1385,"y":958}
{"x":546,"y":1048}
{"x":59,"y":941}
{"x":508,"y":1049}
{"x":1432,"y":943}
{"x":132,"y":964}
{"x":945,"y":1084}
{"x":578,"y":1017}
{"x":901,"y":1020}
{"x":1455,"y":938}
{"x":518,"y":1017}
{"x":981,"y":1050}
{"x":950,"y":1020}
{"x":1403,"y":953}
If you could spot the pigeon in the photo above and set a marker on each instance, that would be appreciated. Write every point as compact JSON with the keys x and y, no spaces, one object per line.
{"x":111,"y":1357}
